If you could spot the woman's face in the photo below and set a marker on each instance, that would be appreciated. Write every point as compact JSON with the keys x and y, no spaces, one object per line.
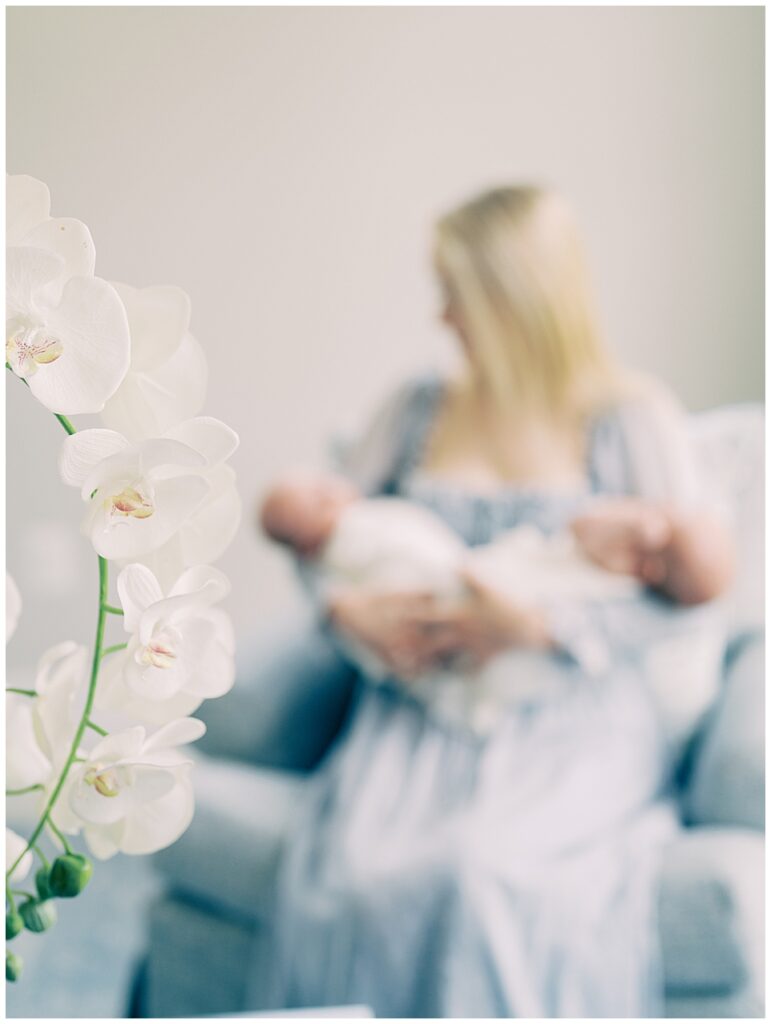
{"x":450,"y":313}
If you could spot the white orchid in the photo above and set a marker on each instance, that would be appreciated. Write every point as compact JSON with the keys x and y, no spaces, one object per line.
{"x":40,"y":729}
{"x":14,"y":845}
{"x":29,"y":223}
{"x":12,"y":606}
{"x":61,"y":683}
{"x":140,"y":494}
{"x":25,"y":763}
{"x":203,"y":537}
{"x":66,"y":335}
{"x":166,"y":381}
{"x":181,"y":648}
{"x":158,"y":493}
{"x":133,"y":792}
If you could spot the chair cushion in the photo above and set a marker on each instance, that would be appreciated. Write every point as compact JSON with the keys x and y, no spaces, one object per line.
{"x":229,"y":855}
{"x":290,"y":698}
{"x":726,"y":784}
{"x":711,"y":912}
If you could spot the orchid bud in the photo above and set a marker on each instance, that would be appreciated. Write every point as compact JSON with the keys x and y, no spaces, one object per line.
{"x":42,"y":884}
{"x":13,"y":966}
{"x":13,"y":924}
{"x":69,"y":875}
{"x":38,"y":916}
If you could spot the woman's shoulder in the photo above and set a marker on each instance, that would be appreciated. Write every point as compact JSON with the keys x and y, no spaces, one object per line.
{"x":639,"y":440}
{"x":376,"y":457}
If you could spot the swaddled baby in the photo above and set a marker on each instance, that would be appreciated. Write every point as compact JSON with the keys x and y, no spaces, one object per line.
{"x":389,"y":543}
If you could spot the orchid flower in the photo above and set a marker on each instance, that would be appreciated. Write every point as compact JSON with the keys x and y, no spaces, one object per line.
{"x":181,"y":648}
{"x":12,"y":606}
{"x":40,"y":729}
{"x":29,"y":223}
{"x":166,"y":381}
{"x":140,"y":494}
{"x":203,"y":537}
{"x":133,"y":791}
{"x":66,"y":335}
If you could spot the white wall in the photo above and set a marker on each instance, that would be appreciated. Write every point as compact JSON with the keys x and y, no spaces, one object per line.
{"x":283,"y":165}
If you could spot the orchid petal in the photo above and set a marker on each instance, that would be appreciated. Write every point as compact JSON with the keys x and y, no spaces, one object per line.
{"x":158,"y":319}
{"x":175,"y":734}
{"x":130,"y":539}
{"x":215,"y":440}
{"x":68,"y":238}
{"x":155,"y":825}
{"x":91,"y":324}
{"x":202,"y":577}
{"x":138,"y":589}
{"x":14,"y":846}
{"x":82,"y":452}
{"x":147,"y":404}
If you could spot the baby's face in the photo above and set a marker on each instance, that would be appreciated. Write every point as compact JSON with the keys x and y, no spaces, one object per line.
{"x":308,"y":509}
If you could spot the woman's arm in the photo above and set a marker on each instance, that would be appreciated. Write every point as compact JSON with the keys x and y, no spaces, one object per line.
{"x":688,"y":555}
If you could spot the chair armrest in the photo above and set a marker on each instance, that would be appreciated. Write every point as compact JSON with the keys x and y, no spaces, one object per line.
{"x":290,"y":699}
{"x":727,"y":780}
{"x":711,"y":914}
{"x":228,"y":857}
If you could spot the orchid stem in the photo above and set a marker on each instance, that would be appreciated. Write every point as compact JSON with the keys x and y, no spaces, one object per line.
{"x":24,"y":693}
{"x":65,"y":423}
{"x":42,"y":856}
{"x":96,"y":728}
{"x":111,"y":609}
{"x":113,"y":649}
{"x":76,"y":740}
{"x":26,"y":789}
{"x":60,"y":836}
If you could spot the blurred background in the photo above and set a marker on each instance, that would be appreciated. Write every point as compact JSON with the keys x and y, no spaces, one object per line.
{"x":284,"y":166}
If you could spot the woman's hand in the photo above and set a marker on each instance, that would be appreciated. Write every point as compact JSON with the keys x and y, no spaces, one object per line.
{"x":412,"y":633}
{"x":389,"y":624}
{"x":627,"y":536}
{"x":479,"y":627}
{"x":689,"y":557}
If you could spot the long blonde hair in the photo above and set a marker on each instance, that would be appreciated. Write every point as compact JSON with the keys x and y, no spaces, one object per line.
{"x":514,"y":268}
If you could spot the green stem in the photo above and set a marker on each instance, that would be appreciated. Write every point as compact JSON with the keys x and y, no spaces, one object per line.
{"x":112,"y":609}
{"x":9,"y":899}
{"x":24,"y":693}
{"x":21,"y":792}
{"x":22,"y":892}
{"x":96,"y":728}
{"x":113,"y":649}
{"x":76,"y":740}
{"x":42,"y":856}
{"x":65,"y":423}
{"x":59,"y":835}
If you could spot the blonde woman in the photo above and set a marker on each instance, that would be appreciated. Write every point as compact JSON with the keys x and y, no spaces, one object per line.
{"x":437,"y":874}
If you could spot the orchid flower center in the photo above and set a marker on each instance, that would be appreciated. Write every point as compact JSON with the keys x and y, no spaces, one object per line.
{"x":104,"y":781}
{"x":132,"y":501}
{"x":160,"y":652}
{"x":29,"y":345}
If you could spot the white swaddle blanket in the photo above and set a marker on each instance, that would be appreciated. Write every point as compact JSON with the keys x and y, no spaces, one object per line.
{"x":387,"y":543}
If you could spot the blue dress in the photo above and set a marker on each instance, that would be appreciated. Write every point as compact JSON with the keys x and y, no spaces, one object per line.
{"x":436,"y":874}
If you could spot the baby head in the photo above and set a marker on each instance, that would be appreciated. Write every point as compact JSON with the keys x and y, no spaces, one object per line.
{"x":303,"y":509}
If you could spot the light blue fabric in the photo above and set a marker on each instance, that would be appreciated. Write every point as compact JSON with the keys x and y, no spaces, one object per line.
{"x":727,"y":780}
{"x":433,"y":874}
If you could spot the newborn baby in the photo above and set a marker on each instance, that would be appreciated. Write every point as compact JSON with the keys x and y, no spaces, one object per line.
{"x":388,"y":543}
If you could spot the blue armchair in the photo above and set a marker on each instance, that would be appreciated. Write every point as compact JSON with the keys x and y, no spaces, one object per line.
{"x":208,"y":935}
